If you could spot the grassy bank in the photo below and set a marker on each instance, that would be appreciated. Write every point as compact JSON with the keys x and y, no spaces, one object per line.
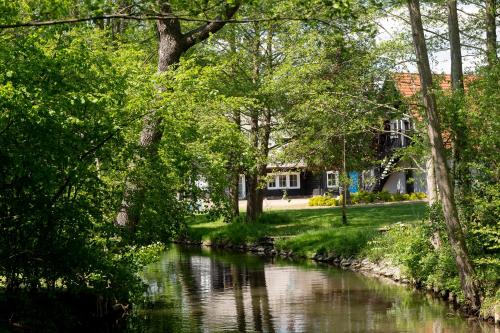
{"x":310,"y":231}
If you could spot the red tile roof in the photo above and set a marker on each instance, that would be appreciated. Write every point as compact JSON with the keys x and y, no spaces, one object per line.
{"x":408,"y":84}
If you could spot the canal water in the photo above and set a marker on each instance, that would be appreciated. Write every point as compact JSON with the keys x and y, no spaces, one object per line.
{"x":202,"y":290}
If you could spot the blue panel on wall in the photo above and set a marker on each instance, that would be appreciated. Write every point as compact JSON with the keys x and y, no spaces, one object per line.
{"x":354,"y":175}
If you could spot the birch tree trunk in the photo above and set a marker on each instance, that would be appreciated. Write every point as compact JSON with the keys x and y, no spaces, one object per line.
{"x":172,"y":44}
{"x":453,"y":227}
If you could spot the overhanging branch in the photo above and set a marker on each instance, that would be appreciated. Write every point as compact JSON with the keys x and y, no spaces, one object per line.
{"x":157,"y":17}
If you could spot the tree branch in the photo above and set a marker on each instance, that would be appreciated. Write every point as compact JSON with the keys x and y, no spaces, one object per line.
{"x":157,"y":17}
{"x":203,"y":32}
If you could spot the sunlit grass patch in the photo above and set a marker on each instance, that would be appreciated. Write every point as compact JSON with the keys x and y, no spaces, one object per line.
{"x":310,"y":231}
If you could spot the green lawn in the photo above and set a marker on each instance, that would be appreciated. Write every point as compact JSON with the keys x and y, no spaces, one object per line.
{"x":310,"y":231}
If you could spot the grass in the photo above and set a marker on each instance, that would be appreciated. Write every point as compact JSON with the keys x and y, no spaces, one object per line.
{"x":310,"y":231}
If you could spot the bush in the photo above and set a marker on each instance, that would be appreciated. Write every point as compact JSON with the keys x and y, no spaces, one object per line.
{"x":323,"y":200}
{"x":384,"y":196}
{"x":355,"y":199}
{"x":420,"y":195}
{"x":398,"y":197}
{"x":410,"y":248}
{"x":365,"y":197}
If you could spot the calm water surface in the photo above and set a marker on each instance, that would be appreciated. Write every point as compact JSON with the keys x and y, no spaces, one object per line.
{"x":209,"y":291}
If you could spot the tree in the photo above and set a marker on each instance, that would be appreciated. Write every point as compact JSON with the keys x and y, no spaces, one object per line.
{"x":491,"y":31}
{"x":63,"y":131}
{"x":453,"y":226}
{"x":457,"y":123}
{"x":457,"y":75}
{"x":173,"y":43}
{"x":333,"y":125}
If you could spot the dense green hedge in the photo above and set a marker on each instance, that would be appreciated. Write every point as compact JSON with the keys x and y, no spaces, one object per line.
{"x":365,"y":197}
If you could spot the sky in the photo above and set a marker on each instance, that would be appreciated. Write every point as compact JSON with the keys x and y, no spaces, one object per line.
{"x":391,"y":26}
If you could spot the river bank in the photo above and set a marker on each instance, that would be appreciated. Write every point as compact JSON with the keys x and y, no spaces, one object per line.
{"x":318,"y":235}
{"x":384,"y":270}
{"x":202,"y":289}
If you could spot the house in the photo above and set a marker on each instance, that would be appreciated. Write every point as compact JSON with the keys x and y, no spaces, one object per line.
{"x":392,"y":174}
{"x":296,"y":180}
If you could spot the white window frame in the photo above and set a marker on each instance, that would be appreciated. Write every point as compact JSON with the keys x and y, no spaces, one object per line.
{"x":336,"y":173}
{"x":241,"y":187}
{"x":279,"y":180}
{"x":297,"y":174}
{"x":272,"y":179}
{"x":275,"y":177}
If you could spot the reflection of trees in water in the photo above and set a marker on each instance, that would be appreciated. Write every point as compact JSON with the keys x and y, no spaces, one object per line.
{"x":189,"y":278}
{"x":327,"y":300}
{"x":235,"y":272}
{"x":162,"y":311}
{"x":340,"y":301}
{"x":224,"y":276}
{"x":260,"y":300}
{"x":238,"y":281}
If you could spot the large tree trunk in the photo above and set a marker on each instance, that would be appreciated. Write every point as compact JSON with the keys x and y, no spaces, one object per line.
{"x":453,"y":227}
{"x":432,"y":197}
{"x":254,"y":197}
{"x":260,"y":134}
{"x":457,"y":84}
{"x":170,"y":49}
{"x":432,"y":192}
{"x":172,"y":44}
{"x":457,"y":75}
{"x":254,"y":207}
{"x":491,"y":32}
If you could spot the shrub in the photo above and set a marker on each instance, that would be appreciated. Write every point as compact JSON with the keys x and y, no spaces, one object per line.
{"x":323,"y":200}
{"x":413,"y":196}
{"x":409,"y":247}
{"x":398,"y":197}
{"x":355,"y":199}
{"x":421,"y":195}
{"x":333,"y":202}
{"x":364,"y":197}
{"x":384,"y":196}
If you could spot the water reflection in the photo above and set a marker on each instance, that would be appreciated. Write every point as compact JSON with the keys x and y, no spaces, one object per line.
{"x":207,"y":291}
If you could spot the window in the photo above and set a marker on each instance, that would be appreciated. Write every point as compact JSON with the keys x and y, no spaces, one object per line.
{"x":395,"y":127}
{"x":332,"y":179}
{"x":283,"y":181}
{"x":272,"y":182}
{"x":241,"y":187}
